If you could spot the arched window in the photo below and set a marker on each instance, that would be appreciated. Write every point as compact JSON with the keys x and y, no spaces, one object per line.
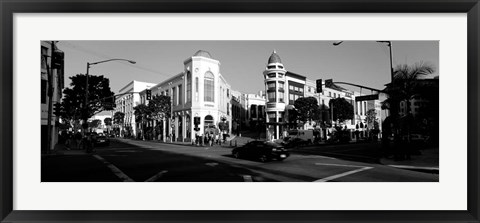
{"x":209,"y":87}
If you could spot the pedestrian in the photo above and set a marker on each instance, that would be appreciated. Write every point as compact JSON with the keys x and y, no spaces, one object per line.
{"x":78,"y":139}
{"x":217,"y":139}
{"x":68,"y":141}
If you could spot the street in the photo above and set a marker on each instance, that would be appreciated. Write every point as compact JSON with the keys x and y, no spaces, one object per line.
{"x":148,"y":161}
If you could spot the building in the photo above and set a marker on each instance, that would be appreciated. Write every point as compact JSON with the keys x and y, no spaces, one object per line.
{"x":129,"y":97}
{"x":239,"y":112}
{"x":285,"y":87}
{"x":52,"y":84}
{"x":200,"y":91}
{"x":102,"y":116}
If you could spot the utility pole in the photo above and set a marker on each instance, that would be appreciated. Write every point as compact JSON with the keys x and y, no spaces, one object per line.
{"x":85,"y":118}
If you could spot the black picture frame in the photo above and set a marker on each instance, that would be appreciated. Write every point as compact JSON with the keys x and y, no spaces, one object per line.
{"x":10,"y":7}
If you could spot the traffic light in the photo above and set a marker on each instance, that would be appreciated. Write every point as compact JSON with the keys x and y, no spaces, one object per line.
{"x":149,"y":94}
{"x":319,"y":85}
{"x":196,"y":122}
{"x":57,"y":109}
{"x":110,"y":103}
{"x":329,"y":83}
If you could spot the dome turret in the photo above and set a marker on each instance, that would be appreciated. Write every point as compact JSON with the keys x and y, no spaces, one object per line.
{"x":203,"y":53}
{"x":274,"y":58}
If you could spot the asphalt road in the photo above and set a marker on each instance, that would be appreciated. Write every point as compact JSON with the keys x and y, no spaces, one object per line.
{"x":145,"y":161}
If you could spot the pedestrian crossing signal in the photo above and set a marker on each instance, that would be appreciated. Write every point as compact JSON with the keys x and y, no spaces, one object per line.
{"x":329,"y":83}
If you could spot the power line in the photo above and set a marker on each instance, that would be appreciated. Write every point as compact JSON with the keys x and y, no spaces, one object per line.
{"x":105,"y":56}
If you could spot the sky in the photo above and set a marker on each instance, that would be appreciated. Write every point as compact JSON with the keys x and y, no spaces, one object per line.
{"x":242,"y":62}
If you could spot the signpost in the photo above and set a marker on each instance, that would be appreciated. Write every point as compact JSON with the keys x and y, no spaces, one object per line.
{"x":367,"y":97}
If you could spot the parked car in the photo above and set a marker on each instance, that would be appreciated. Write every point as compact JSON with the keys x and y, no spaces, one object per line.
{"x":292,"y":142}
{"x":262,"y":150}
{"x":102,"y":140}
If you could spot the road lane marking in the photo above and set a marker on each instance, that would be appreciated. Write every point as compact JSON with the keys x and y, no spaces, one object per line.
{"x":211,"y":164}
{"x":247,"y":178}
{"x":313,"y":156}
{"x":362,"y":168}
{"x":156,"y":176}
{"x":414,"y":167}
{"x":115,"y":170}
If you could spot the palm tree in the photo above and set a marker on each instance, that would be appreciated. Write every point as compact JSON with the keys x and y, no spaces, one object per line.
{"x":118,"y":118}
{"x":404,"y":85}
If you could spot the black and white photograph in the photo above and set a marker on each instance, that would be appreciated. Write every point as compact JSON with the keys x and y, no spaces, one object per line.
{"x":239,"y":111}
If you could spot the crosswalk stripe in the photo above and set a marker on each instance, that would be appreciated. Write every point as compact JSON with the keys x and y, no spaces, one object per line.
{"x":115,"y":170}
{"x":362,"y":168}
{"x":156,"y":176}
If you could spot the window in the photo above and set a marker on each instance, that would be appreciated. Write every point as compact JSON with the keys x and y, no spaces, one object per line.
{"x":228,"y":93}
{"x":180,"y":95}
{"x":271,"y":97}
{"x":272,"y":75}
{"x":309,"y":89}
{"x":300,"y":89}
{"x":209,"y":87}
{"x":228,"y":108}
{"x":280,"y":85}
{"x":334,"y":95}
{"x":295,"y":88}
{"x":189,"y":87}
{"x":290,"y":87}
{"x":290,"y":97}
{"x":44,"y":91}
{"x":280,"y":96}
{"x":174,"y":93}
{"x":196,"y":89}
{"x":271,"y":85}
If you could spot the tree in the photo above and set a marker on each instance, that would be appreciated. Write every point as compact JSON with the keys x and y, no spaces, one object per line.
{"x":371,"y":118}
{"x":118,"y":118}
{"x":99,"y":97}
{"x":142,"y":114}
{"x":404,"y":85}
{"x":342,"y":109}
{"x":307,"y":109}
{"x":108,"y":123}
{"x":94,"y":123}
{"x":325,"y":114}
{"x":160,"y":107}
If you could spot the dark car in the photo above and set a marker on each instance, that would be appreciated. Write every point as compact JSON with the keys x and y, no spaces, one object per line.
{"x":102,"y":140}
{"x":262,"y":150}
{"x":294,"y":142}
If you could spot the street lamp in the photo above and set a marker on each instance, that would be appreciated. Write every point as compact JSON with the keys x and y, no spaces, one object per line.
{"x":86,"y":84}
{"x":389,"y":44}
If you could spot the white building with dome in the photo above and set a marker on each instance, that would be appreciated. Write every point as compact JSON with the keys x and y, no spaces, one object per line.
{"x":199,"y":90}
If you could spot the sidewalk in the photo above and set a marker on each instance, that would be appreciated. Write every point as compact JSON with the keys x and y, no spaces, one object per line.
{"x":427,"y":161}
{"x":61,"y":149}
